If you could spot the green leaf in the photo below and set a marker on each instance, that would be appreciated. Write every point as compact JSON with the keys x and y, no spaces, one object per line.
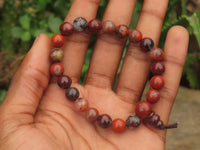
{"x":44,"y":2}
{"x":26,"y":36}
{"x":192,"y":78}
{"x":136,"y":14}
{"x":16,"y":32}
{"x":2,"y":95}
{"x":36,"y":32}
{"x":183,"y":7}
{"x":25,"y":22}
{"x":195,"y":24}
{"x":54,"y":23}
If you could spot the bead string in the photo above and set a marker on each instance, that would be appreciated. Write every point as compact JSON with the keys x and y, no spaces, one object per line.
{"x":143,"y":109}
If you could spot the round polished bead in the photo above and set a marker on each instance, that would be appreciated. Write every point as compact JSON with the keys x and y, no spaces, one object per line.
{"x":135,"y":36}
{"x":154,"y":120}
{"x":157,"y":68}
{"x":80,"y":24}
{"x":109,"y":27}
{"x":143,"y":109}
{"x":104,"y":121}
{"x":66,"y":28}
{"x":56,"y":55}
{"x":72,"y":93}
{"x":81,"y":104}
{"x":118,"y":125}
{"x":64,"y":81}
{"x":157,"y":82}
{"x":133,"y":122}
{"x":146,"y":44}
{"x":92,"y":114}
{"x":94,"y":26}
{"x":122,"y":31}
{"x":57,"y":40}
{"x":56,"y":69}
{"x":156,"y":54}
{"x":152,"y":96}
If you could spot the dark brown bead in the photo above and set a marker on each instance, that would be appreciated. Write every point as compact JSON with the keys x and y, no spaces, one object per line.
{"x":94,"y":26}
{"x":133,"y":122}
{"x":66,"y":28}
{"x":122,"y":31}
{"x":64,"y":82}
{"x":159,"y":124}
{"x":135,"y":36}
{"x":154,"y":120}
{"x":72,"y":93}
{"x":146,"y":44}
{"x":157,"y":68}
{"x":104,"y":121}
{"x":150,"y":115}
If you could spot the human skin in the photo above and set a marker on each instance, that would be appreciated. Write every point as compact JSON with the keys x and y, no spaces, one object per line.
{"x":35,"y":114}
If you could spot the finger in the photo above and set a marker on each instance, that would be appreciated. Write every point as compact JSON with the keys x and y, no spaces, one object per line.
{"x":109,"y":48}
{"x":175,"y":54}
{"x":76,"y":45}
{"x":29,"y":83}
{"x":136,"y":64}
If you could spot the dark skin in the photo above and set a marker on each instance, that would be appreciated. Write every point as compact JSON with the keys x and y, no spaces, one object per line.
{"x":35,"y":114}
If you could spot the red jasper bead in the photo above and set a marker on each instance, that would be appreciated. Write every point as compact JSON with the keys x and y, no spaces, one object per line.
{"x":122,"y":31}
{"x":64,"y":82}
{"x":94,"y":26}
{"x":152,"y":96}
{"x":104,"y":121}
{"x":57,"y":40}
{"x":118,"y":125}
{"x":66,"y":28}
{"x":157,"y":82}
{"x":156,"y":54}
{"x":81,"y":104}
{"x":133,"y":122}
{"x":56,"y":69}
{"x":109,"y":27}
{"x":56,"y":55}
{"x":146,"y":44}
{"x":72,"y":93}
{"x":157,"y":68}
{"x":92,"y":114}
{"x":135,"y":36}
{"x":143,"y":109}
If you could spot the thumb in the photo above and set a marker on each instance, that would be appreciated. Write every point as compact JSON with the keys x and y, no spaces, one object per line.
{"x":28,"y":84}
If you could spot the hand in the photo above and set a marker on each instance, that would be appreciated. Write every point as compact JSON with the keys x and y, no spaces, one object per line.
{"x":36,"y":115}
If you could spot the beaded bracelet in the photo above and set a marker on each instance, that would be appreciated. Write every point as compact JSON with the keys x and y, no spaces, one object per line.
{"x":143,"y":109}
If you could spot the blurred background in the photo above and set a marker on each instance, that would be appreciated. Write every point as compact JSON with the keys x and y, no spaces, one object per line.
{"x":22,"y":20}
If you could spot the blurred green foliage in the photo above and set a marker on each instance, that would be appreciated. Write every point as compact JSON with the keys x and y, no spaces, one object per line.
{"x":21,"y":21}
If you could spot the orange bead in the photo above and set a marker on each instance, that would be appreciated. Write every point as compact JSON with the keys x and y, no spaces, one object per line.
{"x":118,"y":125}
{"x":56,"y":69}
{"x":57,"y":40}
{"x":135,"y":36}
{"x":152,"y":96}
{"x":81,"y":104}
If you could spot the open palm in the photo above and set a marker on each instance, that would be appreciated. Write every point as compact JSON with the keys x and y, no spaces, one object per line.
{"x":36,"y":115}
